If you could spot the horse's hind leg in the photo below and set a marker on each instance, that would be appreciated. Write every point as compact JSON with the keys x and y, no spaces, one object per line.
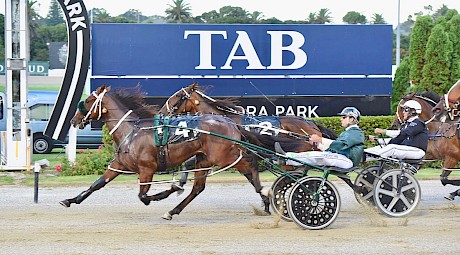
{"x":98,"y":184}
{"x":198,"y":187}
{"x":449,"y":163}
{"x":253,"y":178}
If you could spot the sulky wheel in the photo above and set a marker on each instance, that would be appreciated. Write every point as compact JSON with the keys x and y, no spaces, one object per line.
{"x":364,"y":184}
{"x":281,"y":189}
{"x":396,"y":194}
{"x":311,"y":209}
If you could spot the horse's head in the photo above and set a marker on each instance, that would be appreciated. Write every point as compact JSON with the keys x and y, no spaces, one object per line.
{"x":182,"y":101}
{"x":449,"y":105}
{"x":91,"y":108}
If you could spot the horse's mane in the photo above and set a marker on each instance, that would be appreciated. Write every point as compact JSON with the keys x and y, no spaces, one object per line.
{"x":229,"y":102}
{"x":133,"y":99}
{"x":429,"y":94}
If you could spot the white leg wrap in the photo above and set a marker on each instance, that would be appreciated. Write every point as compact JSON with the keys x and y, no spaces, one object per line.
{"x":266,"y":191}
{"x":167,"y":216}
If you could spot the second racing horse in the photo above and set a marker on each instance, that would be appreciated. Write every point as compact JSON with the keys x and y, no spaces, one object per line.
{"x":192,"y":99}
{"x":137,"y":152}
{"x":447,"y":111}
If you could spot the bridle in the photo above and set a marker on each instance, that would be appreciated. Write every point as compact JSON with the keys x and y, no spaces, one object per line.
{"x":451,"y":111}
{"x":97,"y":104}
{"x":183,"y":97}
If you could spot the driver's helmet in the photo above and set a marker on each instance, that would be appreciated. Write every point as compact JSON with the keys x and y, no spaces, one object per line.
{"x":414,"y":105}
{"x":351,"y":112}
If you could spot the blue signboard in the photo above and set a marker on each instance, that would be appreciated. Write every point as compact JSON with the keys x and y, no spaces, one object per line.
{"x":350,"y":64}
{"x":190,"y":49}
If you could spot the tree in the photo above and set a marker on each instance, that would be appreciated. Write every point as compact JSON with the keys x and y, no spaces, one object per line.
{"x":100,"y":15}
{"x":442,"y":11}
{"x":132,"y":15}
{"x":33,"y":18}
{"x":454,"y":36}
{"x":353,"y":17}
{"x":256,"y":17}
{"x":311,"y":18}
{"x":437,"y":62}
{"x":54,"y":15}
{"x":400,"y":84}
{"x":418,"y":40}
{"x":378,"y":19}
{"x":323,"y":16}
{"x":178,"y":12}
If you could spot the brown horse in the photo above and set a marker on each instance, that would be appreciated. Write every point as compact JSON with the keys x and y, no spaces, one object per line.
{"x":137,"y":150}
{"x":443,"y":143}
{"x":192,"y":99}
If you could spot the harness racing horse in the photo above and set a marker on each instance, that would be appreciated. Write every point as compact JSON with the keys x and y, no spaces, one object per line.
{"x":447,"y":111}
{"x":192,"y":99}
{"x":443,"y":143}
{"x":136,"y":149}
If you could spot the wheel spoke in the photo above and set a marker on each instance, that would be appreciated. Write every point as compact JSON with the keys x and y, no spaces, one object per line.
{"x":393,"y":203}
{"x":405,"y":201}
{"x":407,"y":187}
{"x":387,"y":192}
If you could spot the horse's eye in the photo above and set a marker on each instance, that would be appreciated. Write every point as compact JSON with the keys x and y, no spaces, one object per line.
{"x":86,"y":101}
{"x":436,"y":110}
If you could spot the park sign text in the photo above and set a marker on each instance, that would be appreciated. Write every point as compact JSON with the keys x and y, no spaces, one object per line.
{"x":249,"y":61}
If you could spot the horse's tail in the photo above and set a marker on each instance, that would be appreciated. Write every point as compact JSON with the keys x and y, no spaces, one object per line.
{"x":327,"y":132}
{"x":268,"y":141}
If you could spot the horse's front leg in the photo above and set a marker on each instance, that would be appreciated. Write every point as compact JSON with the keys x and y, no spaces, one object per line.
{"x":198,"y":186}
{"x":145,"y":179}
{"x":108,"y":176}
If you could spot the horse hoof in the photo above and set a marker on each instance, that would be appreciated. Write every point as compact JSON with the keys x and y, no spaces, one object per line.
{"x":177,"y":188}
{"x":65,"y":203}
{"x":167,"y":216}
{"x":266,"y":191}
{"x":444,"y":181}
{"x":449,"y":197}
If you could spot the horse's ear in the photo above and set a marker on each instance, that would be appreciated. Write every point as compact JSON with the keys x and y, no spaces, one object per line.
{"x":409,"y":95}
{"x":100,"y":89}
{"x":108,"y":88}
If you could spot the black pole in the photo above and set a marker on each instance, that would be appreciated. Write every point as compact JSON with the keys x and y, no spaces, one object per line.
{"x":37,"y":173}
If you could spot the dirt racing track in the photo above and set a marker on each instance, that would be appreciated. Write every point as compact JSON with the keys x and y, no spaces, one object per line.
{"x":221,"y":220}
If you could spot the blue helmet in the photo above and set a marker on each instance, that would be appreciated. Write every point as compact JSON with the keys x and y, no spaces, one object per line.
{"x":351,"y":112}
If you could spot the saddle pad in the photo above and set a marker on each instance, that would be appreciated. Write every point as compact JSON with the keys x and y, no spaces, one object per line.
{"x":264,"y":125}
{"x":177,"y":135}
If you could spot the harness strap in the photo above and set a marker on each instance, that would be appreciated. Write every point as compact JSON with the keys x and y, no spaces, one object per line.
{"x":120,"y":171}
{"x":211,"y":174}
{"x":120,"y":121}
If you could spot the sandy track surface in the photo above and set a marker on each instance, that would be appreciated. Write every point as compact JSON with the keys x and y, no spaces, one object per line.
{"x":221,"y":220}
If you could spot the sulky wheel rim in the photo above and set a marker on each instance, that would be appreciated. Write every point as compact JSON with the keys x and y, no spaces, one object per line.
{"x":281,"y":189}
{"x":364,"y":182}
{"x":392,"y":203}
{"x":310,"y":213}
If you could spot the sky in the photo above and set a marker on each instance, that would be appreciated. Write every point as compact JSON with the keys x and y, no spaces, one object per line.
{"x":283,"y":10}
